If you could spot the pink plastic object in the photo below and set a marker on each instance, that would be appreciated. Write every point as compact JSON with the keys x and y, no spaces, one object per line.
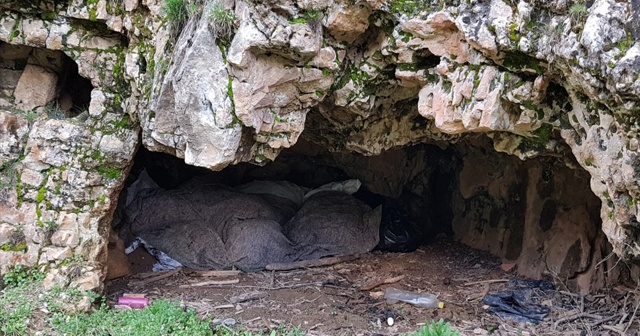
{"x":133,"y":302}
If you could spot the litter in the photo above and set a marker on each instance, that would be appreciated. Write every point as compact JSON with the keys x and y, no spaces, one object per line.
{"x":134,"y":301}
{"x":422,"y":300}
{"x":517,"y":304}
{"x":397,"y":232}
{"x":165,"y":263}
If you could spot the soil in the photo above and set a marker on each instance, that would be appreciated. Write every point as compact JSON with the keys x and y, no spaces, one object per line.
{"x":327,"y":300}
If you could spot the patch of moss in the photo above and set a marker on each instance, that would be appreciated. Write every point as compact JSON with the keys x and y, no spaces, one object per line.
{"x":15,"y":32}
{"x":20,"y":247}
{"x":538,"y":141}
{"x":513,"y":32}
{"x":109,"y":173}
{"x":519,"y":61}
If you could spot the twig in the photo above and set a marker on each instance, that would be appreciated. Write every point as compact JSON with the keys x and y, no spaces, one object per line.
{"x":159,"y":277}
{"x":210,"y":282}
{"x":213,"y":273}
{"x":606,"y":319}
{"x":311,"y":263}
{"x":575,"y":317}
{"x":613,"y":328}
{"x":387,"y":281}
{"x":486,"y":281}
{"x":632,"y":316}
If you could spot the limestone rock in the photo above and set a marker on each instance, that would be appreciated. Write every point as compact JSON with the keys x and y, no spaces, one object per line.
{"x":193,"y":110}
{"x":13,"y":129}
{"x":37,"y":87}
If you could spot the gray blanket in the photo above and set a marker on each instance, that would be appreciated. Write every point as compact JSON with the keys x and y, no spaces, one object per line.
{"x":209,"y":226}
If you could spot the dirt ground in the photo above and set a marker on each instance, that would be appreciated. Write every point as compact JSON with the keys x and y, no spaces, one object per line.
{"x":329,"y":300}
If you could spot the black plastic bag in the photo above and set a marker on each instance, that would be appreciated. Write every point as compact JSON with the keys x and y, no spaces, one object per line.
{"x":517,"y":304}
{"x":398,"y":233}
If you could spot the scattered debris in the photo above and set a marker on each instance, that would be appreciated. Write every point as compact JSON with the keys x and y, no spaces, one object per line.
{"x":312,"y":263}
{"x":517,"y":304}
{"x":423,"y":300}
{"x":133,"y":301}
{"x":375,"y":284}
{"x":256,"y":295}
{"x":211,"y":283}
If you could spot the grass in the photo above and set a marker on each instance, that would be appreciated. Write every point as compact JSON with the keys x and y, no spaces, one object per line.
{"x":26,"y":309}
{"x":54,"y":111}
{"x":176,"y":11}
{"x":578,"y":11}
{"x":435,"y":329}
{"x":222,"y":21}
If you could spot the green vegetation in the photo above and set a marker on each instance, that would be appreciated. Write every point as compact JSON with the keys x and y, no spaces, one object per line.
{"x":407,"y":6}
{"x":519,"y":61}
{"x":17,"y":242}
{"x":539,"y":141}
{"x":163,"y":317}
{"x":176,"y":11}
{"x":54,"y":111}
{"x":109,"y":172}
{"x":578,"y":11}
{"x":435,"y":329}
{"x":8,"y":174}
{"x":222,"y":21}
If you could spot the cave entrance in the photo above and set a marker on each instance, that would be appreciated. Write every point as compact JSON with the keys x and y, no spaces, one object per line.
{"x":458,"y":213}
{"x":43,"y":80}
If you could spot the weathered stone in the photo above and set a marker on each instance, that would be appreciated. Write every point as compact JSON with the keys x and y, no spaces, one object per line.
{"x":6,"y":233}
{"x":9,"y":80}
{"x":36,"y":87}
{"x":346,"y":21}
{"x":13,"y":130}
{"x":194,"y":117}
{"x":14,"y":52}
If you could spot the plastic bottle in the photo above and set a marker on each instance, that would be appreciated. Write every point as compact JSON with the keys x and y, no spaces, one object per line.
{"x":423,"y":300}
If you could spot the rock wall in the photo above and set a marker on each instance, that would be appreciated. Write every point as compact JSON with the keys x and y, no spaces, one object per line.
{"x":540,"y":78}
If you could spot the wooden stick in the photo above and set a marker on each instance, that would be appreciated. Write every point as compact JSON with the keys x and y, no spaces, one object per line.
{"x":606,"y":319}
{"x":613,"y":328}
{"x":486,"y":282}
{"x":213,"y":273}
{"x":162,"y":275}
{"x":387,"y":281}
{"x":311,"y":263}
{"x":211,"y":282}
{"x":632,"y":317}
{"x":575,"y":317}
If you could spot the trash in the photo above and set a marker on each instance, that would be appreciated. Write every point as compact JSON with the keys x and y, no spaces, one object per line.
{"x":255,"y":295}
{"x":397,"y":232}
{"x":389,"y":317}
{"x":165,"y":263}
{"x":228,"y":322}
{"x":133,"y":301}
{"x":515,"y":305}
{"x":423,"y":300}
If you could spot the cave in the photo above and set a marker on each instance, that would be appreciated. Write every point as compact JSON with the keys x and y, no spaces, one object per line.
{"x":538,"y":217}
{"x":44,"y":80}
